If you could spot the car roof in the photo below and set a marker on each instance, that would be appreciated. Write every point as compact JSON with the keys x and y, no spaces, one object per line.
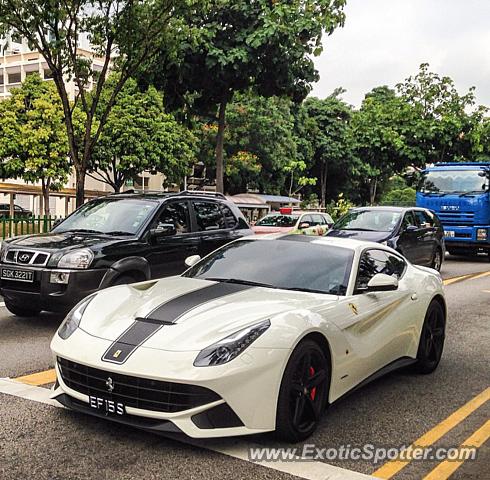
{"x":162,"y":196}
{"x":386,"y":209}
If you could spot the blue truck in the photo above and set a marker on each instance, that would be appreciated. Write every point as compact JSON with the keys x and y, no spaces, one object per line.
{"x":459,"y":193}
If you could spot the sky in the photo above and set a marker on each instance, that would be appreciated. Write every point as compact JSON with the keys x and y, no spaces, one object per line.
{"x":384,"y":41}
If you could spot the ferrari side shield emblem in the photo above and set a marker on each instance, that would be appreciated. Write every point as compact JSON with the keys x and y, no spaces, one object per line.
{"x":353,"y":308}
{"x":117,"y":353}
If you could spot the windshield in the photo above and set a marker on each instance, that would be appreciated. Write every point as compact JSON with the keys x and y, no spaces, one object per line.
{"x":121,"y":216}
{"x":291,"y":263}
{"x":278,"y":220}
{"x":452,"y":181}
{"x":369,"y":220}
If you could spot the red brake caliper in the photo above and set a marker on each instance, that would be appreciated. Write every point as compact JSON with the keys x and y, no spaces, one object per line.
{"x":313,"y":390}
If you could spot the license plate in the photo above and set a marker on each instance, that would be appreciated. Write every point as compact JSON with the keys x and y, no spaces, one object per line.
{"x":106,"y":406}
{"x":17,"y":275}
{"x":449,"y":233}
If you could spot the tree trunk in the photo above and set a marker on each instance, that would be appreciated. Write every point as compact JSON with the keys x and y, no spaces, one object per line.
{"x":373,"y":188}
{"x":45,"y":189}
{"x":323,"y":184}
{"x":219,"y":147}
{"x":80,"y":185}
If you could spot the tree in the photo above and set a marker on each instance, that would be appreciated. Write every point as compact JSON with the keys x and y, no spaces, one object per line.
{"x":380,"y":128}
{"x":265,"y":45}
{"x":260,"y":144}
{"x":139,"y":136}
{"x":327,"y":130}
{"x":35,"y":146}
{"x":444,"y":121}
{"x":122,"y":33}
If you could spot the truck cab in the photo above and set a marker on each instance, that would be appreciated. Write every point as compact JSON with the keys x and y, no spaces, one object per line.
{"x":459,"y":193}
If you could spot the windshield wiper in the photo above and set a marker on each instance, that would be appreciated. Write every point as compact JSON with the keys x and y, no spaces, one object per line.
{"x":239,"y":281}
{"x":81,"y":230}
{"x":118,"y":232}
{"x":307,"y":290}
{"x":473,"y":192}
{"x":360,"y":229}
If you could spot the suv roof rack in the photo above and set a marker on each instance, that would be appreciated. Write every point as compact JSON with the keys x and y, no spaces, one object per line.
{"x":201,"y":192}
{"x":173,"y":194}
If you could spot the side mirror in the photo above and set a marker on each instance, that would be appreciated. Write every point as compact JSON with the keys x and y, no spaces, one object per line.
{"x":163,"y":230}
{"x":382,"y":283}
{"x":56,"y":223}
{"x":411,"y":228}
{"x":192,"y":260}
{"x":303,"y":225}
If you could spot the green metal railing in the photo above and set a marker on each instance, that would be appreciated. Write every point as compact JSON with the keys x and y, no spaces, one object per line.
{"x":14,"y":226}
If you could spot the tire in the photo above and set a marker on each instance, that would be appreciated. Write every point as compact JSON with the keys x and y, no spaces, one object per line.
{"x":437,"y":260}
{"x":431,"y":343}
{"x":21,"y":311}
{"x":123,"y":280}
{"x":304,"y":392}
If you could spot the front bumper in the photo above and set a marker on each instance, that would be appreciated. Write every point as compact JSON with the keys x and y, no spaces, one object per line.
{"x":44,"y":295}
{"x":466,"y":237}
{"x":248,"y":386}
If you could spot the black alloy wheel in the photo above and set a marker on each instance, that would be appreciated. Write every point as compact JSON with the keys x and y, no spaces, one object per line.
{"x":436,"y":263}
{"x":432,"y":337}
{"x":303,"y":394}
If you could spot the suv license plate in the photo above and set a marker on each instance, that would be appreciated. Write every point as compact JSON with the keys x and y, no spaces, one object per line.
{"x":17,"y":275}
{"x":108,"y":407}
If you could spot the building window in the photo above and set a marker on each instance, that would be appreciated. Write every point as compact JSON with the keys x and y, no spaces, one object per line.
{"x":14,"y":77}
{"x":48,"y":74}
{"x":1,"y":79}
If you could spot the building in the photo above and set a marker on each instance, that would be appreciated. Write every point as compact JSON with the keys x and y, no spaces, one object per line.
{"x":17,"y":61}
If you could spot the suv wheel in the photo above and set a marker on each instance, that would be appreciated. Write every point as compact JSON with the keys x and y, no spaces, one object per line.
{"x":21,"y":311}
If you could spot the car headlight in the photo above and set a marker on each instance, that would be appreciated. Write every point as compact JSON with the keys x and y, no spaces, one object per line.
{"x":77,"y":259}
{"x":72,"y":320}
{"x":230,"y":347}
{"x":3,"y":251}
{"x":481,"y":234}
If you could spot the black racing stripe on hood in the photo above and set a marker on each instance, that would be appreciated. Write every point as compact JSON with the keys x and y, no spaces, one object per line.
{"x":166,"y":314}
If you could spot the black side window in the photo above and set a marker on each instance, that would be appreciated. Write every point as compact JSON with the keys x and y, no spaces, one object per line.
{"x":230,"y":219}
{"x":429,"y":218}
{"x":409,"y":220}
{"x":209,"y":216}
{"x":176,"y":214}
{"x":373,"y":262}
{"x":421,"y":219}
{"x":398,"y":265}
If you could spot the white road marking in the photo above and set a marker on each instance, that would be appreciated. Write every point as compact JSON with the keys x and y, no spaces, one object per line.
{"x":232,"y":447}
{"x":2,"y":304}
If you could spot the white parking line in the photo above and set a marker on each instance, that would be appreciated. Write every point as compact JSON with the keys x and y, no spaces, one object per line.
{"x":236,"y":448}
{"x":2,"y":304}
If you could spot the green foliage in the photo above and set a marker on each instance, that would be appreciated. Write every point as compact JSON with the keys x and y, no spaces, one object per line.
{"x":399,"y":197}
{"x":33,"y":142}
{"x":338,"y":208}
{"x":326,"y":129}
{"x":260,"y":144}
{"x":131,"y":29}
{"x":262,"y":44}
{"x":140,"y":136}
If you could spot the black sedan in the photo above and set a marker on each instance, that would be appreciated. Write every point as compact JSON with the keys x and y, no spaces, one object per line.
{"x":416,"y":233}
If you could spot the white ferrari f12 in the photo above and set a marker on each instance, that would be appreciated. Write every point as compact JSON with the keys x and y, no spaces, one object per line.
{"x":261,"y":335}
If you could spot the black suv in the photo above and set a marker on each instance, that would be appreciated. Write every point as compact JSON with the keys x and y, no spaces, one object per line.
{"x":114,"y":240}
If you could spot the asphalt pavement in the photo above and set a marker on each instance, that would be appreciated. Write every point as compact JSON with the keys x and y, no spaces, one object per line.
{"x":40,"y":441}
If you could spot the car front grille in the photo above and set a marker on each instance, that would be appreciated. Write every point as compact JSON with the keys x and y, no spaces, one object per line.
{"x":27,"y":257}
{"x":456,"y":218}
{"x":133,"y":391}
